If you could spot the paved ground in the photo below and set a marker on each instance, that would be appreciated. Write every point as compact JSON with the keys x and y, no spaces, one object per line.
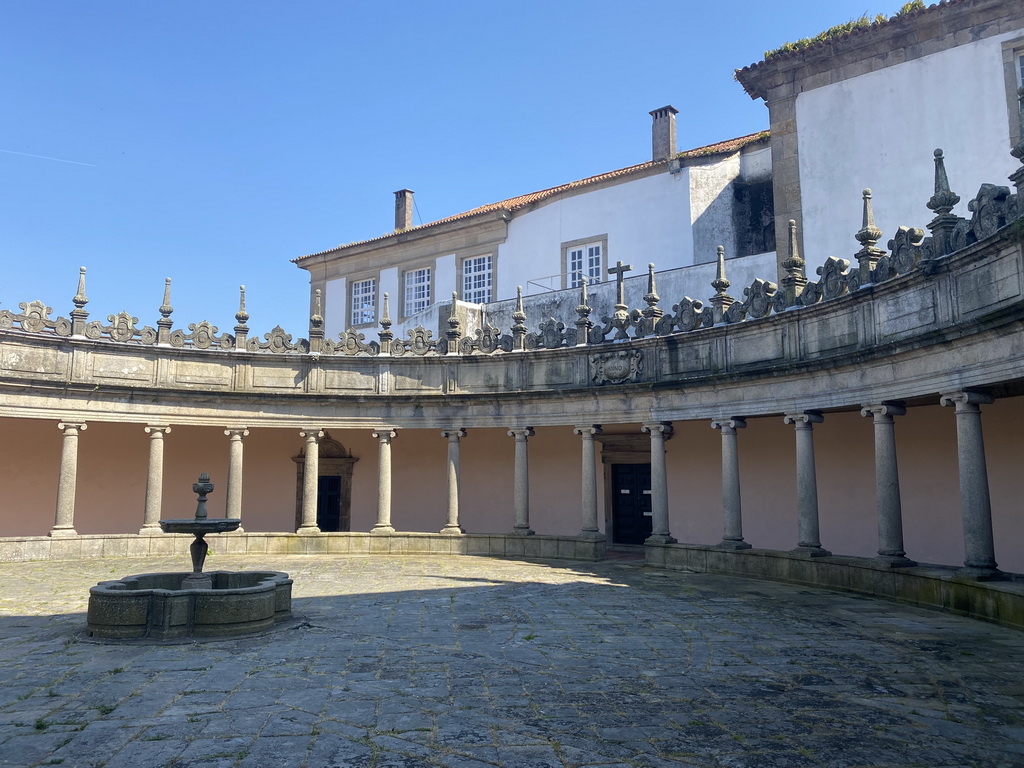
{"x":475,"y":663}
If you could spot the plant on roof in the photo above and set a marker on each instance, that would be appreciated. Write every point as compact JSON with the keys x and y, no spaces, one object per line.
{"x":913,"y":5}
{"x":839,"y":30}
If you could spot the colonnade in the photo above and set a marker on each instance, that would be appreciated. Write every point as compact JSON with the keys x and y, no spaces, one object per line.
{"x":979,"y":550}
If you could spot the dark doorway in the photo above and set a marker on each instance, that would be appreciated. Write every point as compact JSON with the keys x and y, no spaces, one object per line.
{"x":328,"y":503}
{"x":631,"y":503}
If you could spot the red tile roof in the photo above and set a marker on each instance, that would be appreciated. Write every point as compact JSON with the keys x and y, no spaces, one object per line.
{"x":513,"y":204}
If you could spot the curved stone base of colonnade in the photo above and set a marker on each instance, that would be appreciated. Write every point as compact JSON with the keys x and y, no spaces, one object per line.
{"x":18,"y":549}
{"x":926,"y":586}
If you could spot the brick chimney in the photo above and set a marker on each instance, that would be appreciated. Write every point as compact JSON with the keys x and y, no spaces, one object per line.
{"x":663,"y":133}
{"x":403,"y":210}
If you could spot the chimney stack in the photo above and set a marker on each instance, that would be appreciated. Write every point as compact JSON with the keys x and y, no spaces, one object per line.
{"x":403,"y":210}
{"x":663,"y":133}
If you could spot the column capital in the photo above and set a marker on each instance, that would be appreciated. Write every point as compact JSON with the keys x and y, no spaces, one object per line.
{"x":659,"y":427}
{"x":157,"y":430}
{"x":884,"y":409}
{"x":521,"y":432}
{"x":453,"y":433}
{"x":966,"y":400}
{"x":384,"y":434}
{"x":804,"y":417}
{"x":733,"y":423}
{"x":74,"y":426}
{"x":237,"y":432}
{"x":590,"y":430}
{"x":311,"y":433}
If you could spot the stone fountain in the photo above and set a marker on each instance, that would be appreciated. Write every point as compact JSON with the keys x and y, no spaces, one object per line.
{"x":168,"y":606}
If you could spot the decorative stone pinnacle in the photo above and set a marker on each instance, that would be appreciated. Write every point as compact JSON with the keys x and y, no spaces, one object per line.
{"x":583,"y":309}
{"x":944,"y":199}
{"x":241,"y":317}
{"x":1018,"y":148}
{"x":651,"y":297}
{"x":453,"y":318}
{"x":519,"y":316}
{"x":316,"y":319}
{"x":868,"y":234}
{"x":80,"y":299}
{"x":385,"y":320}
{"x":620,"y":270}
{"x":166,"y":308}
{"x":795,"y":262}
{"x":720,"y":283}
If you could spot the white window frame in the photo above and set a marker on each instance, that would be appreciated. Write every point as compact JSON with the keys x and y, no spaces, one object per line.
{"x":587,"y":256}
{"x":1013,"y":61}
{"x":362,"y":312}
{"x":416,"y":289}
{"x":478,"y":279}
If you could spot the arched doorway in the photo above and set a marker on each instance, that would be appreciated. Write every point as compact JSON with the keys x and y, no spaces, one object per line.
{"x":334,"y":485}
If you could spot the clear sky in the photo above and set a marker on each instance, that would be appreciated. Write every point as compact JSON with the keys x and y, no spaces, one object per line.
{"x":212,"y":141}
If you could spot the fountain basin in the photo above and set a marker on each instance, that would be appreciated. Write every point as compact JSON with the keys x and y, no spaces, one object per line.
{"x":154,"y":606}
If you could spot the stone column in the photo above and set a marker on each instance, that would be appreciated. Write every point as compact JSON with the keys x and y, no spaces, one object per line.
{"x":887,"y":486}
{"x":154,"y":480}
{"x":310,"y":480}
{"x":383,"y":525}
{"x":521,"y":494}
{"x":806,"y":483}
{"x":233,"y":506}
{"x":64,"y":524}
{"x":732,"y":535}
{"x":589,"y":490}
{"x":659,"y":483}
{"x":452,"y":526}
{"x":975,"y":505}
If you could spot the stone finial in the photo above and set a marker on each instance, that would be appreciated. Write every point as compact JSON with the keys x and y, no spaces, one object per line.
{"x":202,"y":488}
{"x":78,"y":314}
{"x":651,"y":297}
{"x":454,"y":332}
{"x":385,"y":333}
{"x":944,"y":199}
{"x":867,"y":236}
{"x":721,"y":301}
{"x":795,"y":280}
{"x":583,"y":309}
{"x":166,"y":309}
{"x":80,"y":299}
{"x":519,"y":321}
{"x":316,"y":320}
{"x":241,"y":316}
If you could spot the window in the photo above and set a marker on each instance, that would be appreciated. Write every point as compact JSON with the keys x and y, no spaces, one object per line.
{"x":583,"y":258}
{"x":363,"y":304}
{"x":476,"y":279}
{"x":1013,"y":63}
{"x":417,"y":290}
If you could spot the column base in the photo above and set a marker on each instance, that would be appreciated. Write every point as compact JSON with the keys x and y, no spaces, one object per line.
{"x":980,"y":574}
{"x":592,"y":536}
{"x":453,"y":530}
{"x":308,"y":530}
{"x":62,"y":533}
{"x":805,"y":551}
{"x":733,"y":544}
{"x":148,"y":530}
{"x":895,"y":561}
{"x":660,"y":538}
{"x":382,"y":529}
{"x":523,"y":531}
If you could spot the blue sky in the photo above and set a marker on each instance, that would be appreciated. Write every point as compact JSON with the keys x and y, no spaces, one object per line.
{"x":213,"y":141}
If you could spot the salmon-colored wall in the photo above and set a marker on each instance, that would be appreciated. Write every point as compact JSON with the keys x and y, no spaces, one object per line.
{"x":113,"y":461}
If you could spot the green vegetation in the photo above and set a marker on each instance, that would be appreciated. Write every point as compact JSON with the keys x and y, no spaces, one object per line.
{"x":840,"y":30}
{"x":41,"y":725}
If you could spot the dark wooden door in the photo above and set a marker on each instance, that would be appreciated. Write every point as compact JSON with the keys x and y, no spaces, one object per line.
{"x":328,"y":503}
{"x":631,"y":503}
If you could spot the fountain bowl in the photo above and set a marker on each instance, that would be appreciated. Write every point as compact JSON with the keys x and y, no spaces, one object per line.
{"x":154,"y":606}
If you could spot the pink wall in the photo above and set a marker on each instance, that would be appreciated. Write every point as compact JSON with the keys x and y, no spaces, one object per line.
{"x":113,"y":460}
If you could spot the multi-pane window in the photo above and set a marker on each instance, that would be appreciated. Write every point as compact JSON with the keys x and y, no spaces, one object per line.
{"x":363,"y":305}
{"x":585,"y":260}
{"x":417,"y":290}
{"x":476,"y":279}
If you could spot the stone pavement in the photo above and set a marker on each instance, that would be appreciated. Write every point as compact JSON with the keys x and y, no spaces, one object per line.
{"x":468,"y":662}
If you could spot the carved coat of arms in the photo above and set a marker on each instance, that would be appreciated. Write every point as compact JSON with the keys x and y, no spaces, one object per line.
{"x":616,"y":367}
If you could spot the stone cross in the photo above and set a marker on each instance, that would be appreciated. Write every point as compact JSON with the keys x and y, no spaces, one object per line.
{"x":619,"y":270}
